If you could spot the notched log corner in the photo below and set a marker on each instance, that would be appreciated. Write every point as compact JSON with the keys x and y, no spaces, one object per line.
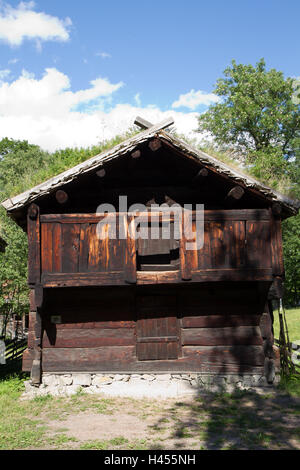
{"x":276,"y":289}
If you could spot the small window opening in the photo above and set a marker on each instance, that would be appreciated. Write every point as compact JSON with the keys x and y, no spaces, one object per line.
{"x":159,"y":250}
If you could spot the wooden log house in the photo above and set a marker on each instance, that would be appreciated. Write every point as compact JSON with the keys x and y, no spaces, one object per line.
{"x":127,"y":305}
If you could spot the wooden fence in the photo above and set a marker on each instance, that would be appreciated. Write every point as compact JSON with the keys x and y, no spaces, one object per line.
{"x":14,"y":349}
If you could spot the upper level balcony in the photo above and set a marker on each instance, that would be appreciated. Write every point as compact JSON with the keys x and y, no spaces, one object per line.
{"x":69,"y":250}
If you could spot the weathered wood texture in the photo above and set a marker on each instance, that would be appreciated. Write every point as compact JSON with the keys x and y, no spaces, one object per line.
{"x":238,"y":245}
{"x":157,"y":331}
{"x":131,"y":329}
{"x":34,"y":245}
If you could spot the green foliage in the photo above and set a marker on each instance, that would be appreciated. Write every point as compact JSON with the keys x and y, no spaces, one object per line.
{"x":23,"y":166}
{"x":18,"y":162}
{"x":13,"y":271}
{"x":259,"y":114}
{"x":256,"y":111}
{"x":291,"y":385}
{"x":270,"y":166}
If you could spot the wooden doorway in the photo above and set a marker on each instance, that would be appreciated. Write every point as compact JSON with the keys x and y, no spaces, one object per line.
{"x":157,"y":330}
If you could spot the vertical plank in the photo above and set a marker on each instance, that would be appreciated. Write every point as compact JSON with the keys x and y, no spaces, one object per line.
{"x":36,"y":369}
{"x":70,"y":243}
{"x":83,"y":249}
{"x":130,"y":250}
{"x":204,"y":255}
{"x":217,"y":245}
{"x":278,"y":227}
{"x":92,"y":248}
{"x":34,"y":245}
{"x":276,"y":246}
{"x":194,"y":253}
{"x":56,"y":248}
{"x":239,"y":241}
{"x":46,"y":247}
{"x":186,"y":236}
{"x":258,"y":236}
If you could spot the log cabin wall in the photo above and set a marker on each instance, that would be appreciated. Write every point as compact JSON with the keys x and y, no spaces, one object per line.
{"x":207,"y":328}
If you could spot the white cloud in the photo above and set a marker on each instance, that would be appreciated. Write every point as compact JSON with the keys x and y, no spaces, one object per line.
{"x":4,"y":74}
{"x":22,"y":22}
{"x":50,"y":96}
{"x":137,"y":99}
{"x":103,"y":55}
{"x":193,"y":99}
{"x":13,"y":61}
{"x":47,"y":112}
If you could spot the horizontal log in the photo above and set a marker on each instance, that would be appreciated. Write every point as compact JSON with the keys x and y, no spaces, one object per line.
{"x":266,"y":325}
{"x":136,"y":154}
{"x":86,"y":325}
{"x":219,"y":321}
{"x":240,"y":335}
{"x":154,"y":145}
{"x":200,"y":176}
{"x":82,"y":279}
{"x":238,"y":214}
{"x":61,"y":196}
{"x":85,"y":338}
{"x":220,"y":304}
{"x":53,"y":363}
{"x":101,"y":173}
{"x":251,"y":355}
{"x":240,"y":274}
{"x":157,"y":277}
{"x":239,"y":359}
{"x":236,"y":193}
{"x":81,"y":359}
{"x":276,"y":208}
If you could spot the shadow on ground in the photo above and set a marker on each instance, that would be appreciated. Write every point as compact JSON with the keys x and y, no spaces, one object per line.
{"x":240,"y":420}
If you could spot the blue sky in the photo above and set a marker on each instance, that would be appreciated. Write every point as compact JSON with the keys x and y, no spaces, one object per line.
{"x":73,"y":73}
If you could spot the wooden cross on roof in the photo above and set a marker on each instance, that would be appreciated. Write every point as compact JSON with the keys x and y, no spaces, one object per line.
{"x":146,"y":125}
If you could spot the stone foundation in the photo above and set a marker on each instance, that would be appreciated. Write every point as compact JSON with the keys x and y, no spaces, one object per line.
{"x":142,"y":385}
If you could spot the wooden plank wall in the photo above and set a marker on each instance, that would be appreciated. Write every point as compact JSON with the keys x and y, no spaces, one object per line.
{"x":70,"y":246}
{"x":76,"y":248}
{"x":218,"y":329}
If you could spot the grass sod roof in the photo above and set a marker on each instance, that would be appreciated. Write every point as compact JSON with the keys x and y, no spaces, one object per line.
{"x":18,"y":203}
{"x":2,"y":241}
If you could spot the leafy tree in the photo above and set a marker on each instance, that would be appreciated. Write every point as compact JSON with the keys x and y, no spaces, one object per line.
{"x":259,"y":115}
{"x":257,"y":110}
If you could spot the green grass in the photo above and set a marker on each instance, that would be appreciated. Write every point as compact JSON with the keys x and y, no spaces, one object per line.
{"x":217,"y":421}
{"x":293,"y":323}
{"x":104,"y":444}
{"x":23,"y":424}
{"x":291,"y":385}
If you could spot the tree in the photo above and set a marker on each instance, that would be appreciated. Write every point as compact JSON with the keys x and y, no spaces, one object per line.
{"x":259,"y":115}
{"x":256,"y":112}
{"x":19,"y":162}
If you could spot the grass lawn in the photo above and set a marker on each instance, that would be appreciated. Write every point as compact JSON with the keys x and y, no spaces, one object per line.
{"x":241,"y":420}
{"x":293,"y":322}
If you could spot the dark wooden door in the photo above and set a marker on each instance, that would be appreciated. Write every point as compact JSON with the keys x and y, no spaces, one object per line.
{"x":157,"y":328}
